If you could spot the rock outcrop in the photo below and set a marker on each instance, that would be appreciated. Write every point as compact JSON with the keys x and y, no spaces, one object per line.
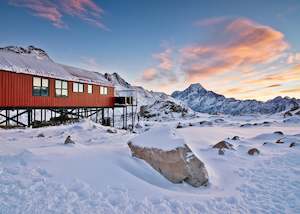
{"x":253,"y":151}
{"x":69,"y":140}
{"x":178,"y":164}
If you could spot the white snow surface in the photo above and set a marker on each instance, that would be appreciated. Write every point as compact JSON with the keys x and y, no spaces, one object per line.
{"x":164,"y":138}
{"x":97,"y":174}
{"x":35,"y":61}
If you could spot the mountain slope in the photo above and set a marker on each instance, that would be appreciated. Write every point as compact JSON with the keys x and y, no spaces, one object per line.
{"x":151,"y":104}
{"x":201,"y":100}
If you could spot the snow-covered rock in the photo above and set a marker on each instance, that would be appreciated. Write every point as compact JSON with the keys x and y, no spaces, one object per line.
{"x":201,"y":100}
{"x":170,"y":156}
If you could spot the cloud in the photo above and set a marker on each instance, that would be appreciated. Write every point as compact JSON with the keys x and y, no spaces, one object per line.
{"x":273,"y":86}
{"x":149,"y":74}
{"x":293,"y":58}
{"x":241,"y":43}
{"x":291,"y":90}
{"x":90,"y":63}
{"x":290,"y":74}
{"x":163,"y":70}
{"x":165,"y":60}
{"x":212,"y":21}
{"x":55,"y":10}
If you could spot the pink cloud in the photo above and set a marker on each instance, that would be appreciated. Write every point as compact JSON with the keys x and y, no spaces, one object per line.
{"x":293,"y":58}
{"x":149,"y":74}
{"x":54,"y":11}
{"x":246,"y":44}
{"x":165,"y":59}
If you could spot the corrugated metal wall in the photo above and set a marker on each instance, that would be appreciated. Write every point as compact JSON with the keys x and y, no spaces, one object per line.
{"x":16,"y":91}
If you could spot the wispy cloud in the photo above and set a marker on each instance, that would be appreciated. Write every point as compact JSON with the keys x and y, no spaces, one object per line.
{"x":55,"y":10}
{"x":212,"y":21}
{"x":247,"y":44}
{"x":91,"y":63}
{"x":165,"y":60}
{"x":293,"y":58}
{"x":149,"y":74}
{"x":273,"y":86}
{"x":291,"y":90}
{"x":162,"y":70}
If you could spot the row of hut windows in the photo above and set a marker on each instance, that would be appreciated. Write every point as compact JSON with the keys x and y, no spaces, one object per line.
{"x":41,"y":87}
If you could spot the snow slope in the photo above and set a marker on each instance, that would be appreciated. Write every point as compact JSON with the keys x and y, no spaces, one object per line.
{"x":98,"y":175}
{"x":201,"y":100}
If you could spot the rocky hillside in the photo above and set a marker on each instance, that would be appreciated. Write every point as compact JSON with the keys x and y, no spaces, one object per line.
{"x":201,"y":100}
{"x":151,"y":105}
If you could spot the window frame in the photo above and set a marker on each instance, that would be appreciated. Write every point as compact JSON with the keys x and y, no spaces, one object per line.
{"x":90,"y":89}
{"x":77,"y":86}
{"x":61,"y":88}
{"x":103,"y":90}
{"x":40,"y":88}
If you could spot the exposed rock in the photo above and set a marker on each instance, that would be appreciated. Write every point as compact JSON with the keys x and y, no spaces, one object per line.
{"x":69,"y":140}
{"x":41,"y":135}
{"x":246,"y":125}
{"x":298,"y":113}
{"x":111,"y":131}
{"x":207,"y":123}
{"x":220,"y":120}
{"x":190,"y":124}
{"x":179,"y":126}
{"x":175,"y":160}
{"x":178,"y":165}
{"x":253,"y":151}
{"x":265,"y":143}
{"x":279,"y":141}
{"x":223,"y":145}
{"x":138,"y":126}
{"x":278,"y":132}
{"x":287,"y":114}
{"x":236,"y":138}
{"x":293,"y":144}
{"x":221,"y":152}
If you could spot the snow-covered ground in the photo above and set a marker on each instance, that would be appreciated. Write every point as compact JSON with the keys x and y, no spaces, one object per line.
{"x":97,"y":174}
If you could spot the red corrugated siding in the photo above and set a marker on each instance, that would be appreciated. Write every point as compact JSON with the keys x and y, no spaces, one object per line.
{"x":16,"y":91}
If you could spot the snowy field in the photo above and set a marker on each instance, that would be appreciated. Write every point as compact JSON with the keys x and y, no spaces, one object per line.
{"x":97,"y":174}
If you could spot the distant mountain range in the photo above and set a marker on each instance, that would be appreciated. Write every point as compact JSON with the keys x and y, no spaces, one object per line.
{"x":201,"y":100}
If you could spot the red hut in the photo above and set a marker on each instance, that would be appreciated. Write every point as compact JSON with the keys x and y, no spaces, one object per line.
{"x":30,"y":80}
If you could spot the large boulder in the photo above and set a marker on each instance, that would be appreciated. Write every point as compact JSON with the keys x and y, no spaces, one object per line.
{"x":170,"y":156}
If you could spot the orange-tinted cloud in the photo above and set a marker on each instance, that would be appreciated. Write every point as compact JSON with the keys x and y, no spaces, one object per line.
{"x":246,"y":44}
{"x":165,"y":60}
{"x":273,"y":86}
{"x":290,"y":74}
{"x":149,"y":74}
{"x":291,"y":90}
{"x":54,"y":10}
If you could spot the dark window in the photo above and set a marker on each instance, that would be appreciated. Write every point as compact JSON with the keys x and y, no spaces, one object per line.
{"x":61,"y":88}
{"x":78,"y":87}
{"x":40,"y":86}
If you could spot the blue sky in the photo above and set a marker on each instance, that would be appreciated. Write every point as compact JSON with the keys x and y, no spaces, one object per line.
{"x":147,"y":41}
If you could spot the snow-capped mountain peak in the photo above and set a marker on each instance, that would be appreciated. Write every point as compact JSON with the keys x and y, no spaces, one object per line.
{"x":201,"y":100}
{"x":117,"y":80}
{"x":30,"y":50}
